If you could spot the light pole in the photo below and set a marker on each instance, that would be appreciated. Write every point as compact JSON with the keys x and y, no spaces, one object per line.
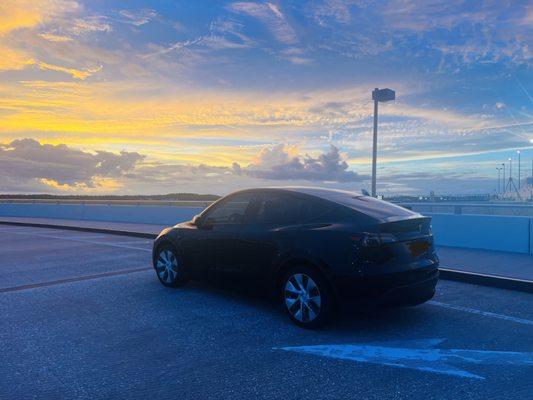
{"x":510,"y":168}
{"x":510,"y":185}
{"x":378,"y":95}
{"x":518,"y":152}
{"x":499,"y":174}
{"x":503,"y":187}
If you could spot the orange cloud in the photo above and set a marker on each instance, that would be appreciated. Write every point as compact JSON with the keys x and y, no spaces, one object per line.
{"x":55,"y":38}
{"x":18,"y":14}
{"x":13,"y":59}
{"x":75,"y":73}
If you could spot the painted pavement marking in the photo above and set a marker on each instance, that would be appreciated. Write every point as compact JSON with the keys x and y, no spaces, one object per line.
{"x":419,"y":355}
{"x":480,"y":312}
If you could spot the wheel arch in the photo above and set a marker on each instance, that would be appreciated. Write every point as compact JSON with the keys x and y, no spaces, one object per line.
{"x":160,"y":242}
{"x":288,"y":263}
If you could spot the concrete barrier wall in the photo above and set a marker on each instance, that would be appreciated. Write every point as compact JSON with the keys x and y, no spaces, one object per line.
{"x":483,"y":232}
{"x":168,"y":215}
{"x":503,"y":233}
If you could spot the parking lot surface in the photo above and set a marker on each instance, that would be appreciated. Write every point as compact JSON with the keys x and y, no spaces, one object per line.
{"x":83,"y":316}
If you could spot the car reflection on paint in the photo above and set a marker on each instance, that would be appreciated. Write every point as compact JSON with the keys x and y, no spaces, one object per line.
{"x":315,"y":248}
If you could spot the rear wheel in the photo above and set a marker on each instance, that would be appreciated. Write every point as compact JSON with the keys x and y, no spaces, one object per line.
{"x":168,"y":267}
{"x":307,"y":297}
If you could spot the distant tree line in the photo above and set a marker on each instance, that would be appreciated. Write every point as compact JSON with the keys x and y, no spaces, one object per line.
{"x":167,"y":197}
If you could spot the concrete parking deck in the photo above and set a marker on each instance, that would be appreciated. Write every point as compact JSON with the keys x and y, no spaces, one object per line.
{"x":83,"y":316}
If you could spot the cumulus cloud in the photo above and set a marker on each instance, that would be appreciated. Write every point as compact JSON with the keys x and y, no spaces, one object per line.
{"x":28,"y":165}
{"x":280,"y":163}
{"x":26,"y":162}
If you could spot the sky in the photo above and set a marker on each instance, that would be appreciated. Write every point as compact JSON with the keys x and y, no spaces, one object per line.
{"x":152,"y":97}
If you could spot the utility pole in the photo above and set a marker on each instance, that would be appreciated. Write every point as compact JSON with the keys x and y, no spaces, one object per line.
{"x":378,"y":95}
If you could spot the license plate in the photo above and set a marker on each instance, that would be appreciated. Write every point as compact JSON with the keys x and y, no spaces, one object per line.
{"x":418,"y":248}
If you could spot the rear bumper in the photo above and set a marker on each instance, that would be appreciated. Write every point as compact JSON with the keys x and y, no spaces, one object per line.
{"x":398,"y":289}
{"x":411,"y":294}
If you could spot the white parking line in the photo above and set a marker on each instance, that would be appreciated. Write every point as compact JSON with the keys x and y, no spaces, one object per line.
{"x":480,"y":312}
{"x":84,"y":241}
{"x":98,"y":243}
{"x":135,"y":242}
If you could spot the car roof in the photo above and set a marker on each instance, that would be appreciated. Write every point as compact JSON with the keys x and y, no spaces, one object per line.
{"x":325,"y":193}
{"x":377,"y":209}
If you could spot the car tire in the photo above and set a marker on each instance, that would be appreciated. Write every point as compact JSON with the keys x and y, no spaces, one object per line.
{"x":307,"y":298}
{"x":168,"y":267}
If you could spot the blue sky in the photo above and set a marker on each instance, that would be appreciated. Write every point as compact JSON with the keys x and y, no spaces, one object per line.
{"x":212,"y":96}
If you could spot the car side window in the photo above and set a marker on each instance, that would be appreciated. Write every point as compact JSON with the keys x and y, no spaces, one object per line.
{"x":285,"y":209}
{"x":229,"y":211}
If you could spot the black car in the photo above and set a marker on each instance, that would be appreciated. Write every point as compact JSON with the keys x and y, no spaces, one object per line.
{"x":316,"y":248}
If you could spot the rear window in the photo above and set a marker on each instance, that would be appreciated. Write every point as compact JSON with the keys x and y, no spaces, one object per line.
{"x":374,"y":208}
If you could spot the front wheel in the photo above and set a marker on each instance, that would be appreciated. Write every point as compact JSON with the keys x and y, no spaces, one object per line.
{"x":307,"y":297}
{"x":168,"y":268}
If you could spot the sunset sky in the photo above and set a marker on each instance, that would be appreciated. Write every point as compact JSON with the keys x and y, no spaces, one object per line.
{"x":211,"y":96}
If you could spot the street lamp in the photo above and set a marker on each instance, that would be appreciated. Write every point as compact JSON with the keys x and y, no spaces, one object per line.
{"x":378,"y":95}
{"x":510,"y":172}
{"x":510,"y":186}
{"x":518,"y":152}
{"x":503,"y":181}
{"x":499,"y":169}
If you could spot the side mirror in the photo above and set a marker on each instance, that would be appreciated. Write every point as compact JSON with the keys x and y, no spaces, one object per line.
{"x":196,"y":220}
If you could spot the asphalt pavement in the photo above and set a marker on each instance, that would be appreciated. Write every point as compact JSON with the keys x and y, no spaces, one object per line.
{"x":84,"y":316}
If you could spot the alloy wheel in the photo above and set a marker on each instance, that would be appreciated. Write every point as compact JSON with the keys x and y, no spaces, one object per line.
{"x":167,"y":266}
{"x":302,"y":297}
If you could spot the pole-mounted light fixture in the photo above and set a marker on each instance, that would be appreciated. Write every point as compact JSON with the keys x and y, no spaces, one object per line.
{"x":378,"y":95}
{"x":519,"y":166}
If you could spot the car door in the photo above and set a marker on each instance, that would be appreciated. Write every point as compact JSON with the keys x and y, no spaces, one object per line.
{"x":218,"y":242}
{"x":263,"y":239}
{"x":280,"y":225}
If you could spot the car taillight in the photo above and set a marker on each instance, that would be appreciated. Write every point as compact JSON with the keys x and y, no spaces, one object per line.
{"x":365,"y":239}
{"x":388,"y":238}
